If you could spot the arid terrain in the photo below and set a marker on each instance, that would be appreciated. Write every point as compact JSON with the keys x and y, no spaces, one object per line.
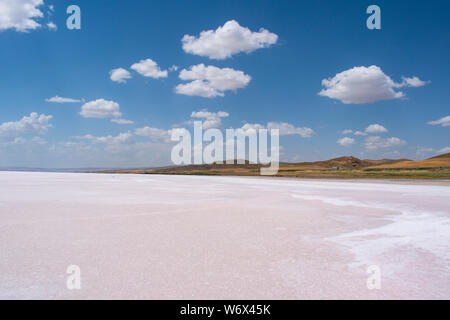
{"x":434,"y":162}
{"x":344,"y":167}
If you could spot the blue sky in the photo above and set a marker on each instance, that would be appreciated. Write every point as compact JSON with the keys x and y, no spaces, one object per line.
{"x":390,"y":86}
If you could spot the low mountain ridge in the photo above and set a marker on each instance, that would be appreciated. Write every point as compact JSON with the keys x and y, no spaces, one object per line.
{"x":441,"y":161}
{"x":442,"y":156}
{"x":346,"y":162}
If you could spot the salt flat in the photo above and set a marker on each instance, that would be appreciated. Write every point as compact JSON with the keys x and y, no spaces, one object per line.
{"x":198,"y":237}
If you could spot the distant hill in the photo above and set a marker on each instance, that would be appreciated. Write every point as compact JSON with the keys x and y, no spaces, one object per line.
{"x":342,"y":167}
{"x":434,"y":162}
{"x":347,"y":162}
{"x":195,"y":168}
{"x":442,"y":156}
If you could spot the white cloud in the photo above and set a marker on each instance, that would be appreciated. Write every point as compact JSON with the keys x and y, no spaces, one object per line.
{"x":119,"y":75}
{"x":286,"y":129}
{"x":444,"y":150}
{"x":57,"y":99}
{"x":110,"y":143}
{"x":122,"y":121}
{"x":212,"y":119}
{"x":20,"y":15}
{"x":33,"y":124}
{"x":120,"y":138}
{"x":109,"y":151}
{"x":113,"y":151}
{"x":23,"y":148}
{"x":153,"y":133}
{"x":198,"y":88}
{"x":38,"y":140}
{"x":211,"y":81}
{"x":252,"y":127}
{"x":16,"y":141}
{"x":444,"y":122}
{"x":376,"y":128}
{"x":101,"y":108}
{"x":227,"y":40}
{"x":289,"y":129}
{"x":52,"y":26}
{"x":364,"y":85}
{"x":376,"y":142}
{"x":149,"y":68}
{"x":346,"y":142}
{"x":414,"y":82}
{"x":373,"y":128}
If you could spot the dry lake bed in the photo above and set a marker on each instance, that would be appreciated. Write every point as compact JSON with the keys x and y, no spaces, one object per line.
{"x":198,"y":237}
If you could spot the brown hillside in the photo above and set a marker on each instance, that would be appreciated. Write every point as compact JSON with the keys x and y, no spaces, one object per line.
{"x":442,"y":156}
{"x":435,"y":162}
{"x":349,"y":167}
{"x":348,"y":162}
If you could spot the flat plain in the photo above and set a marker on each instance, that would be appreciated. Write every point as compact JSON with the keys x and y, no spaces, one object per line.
{"x":210,"y":237}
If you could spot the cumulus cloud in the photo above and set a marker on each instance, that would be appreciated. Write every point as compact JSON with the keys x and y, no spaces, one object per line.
{"x":20,"y":15}
{"x":57,"y":99}
{"x":35,"y":141}
{"x":101,"y":108}
{"x":346,"y":142}
{"x":376,"y":128}
{"x":110,"y":143}
{"x":33,"y":124}
{"x":252,"y":127}
{"x":119,"y":75}
{"x":285,"y":129}
{"x":444,"y":150}
{"x":154,"y":134}
{"x":211,"y":81}
{"x":360,"y":133}
{"x":149,"y":68}
{"x":125,"y":137}
{"x":211,"y":119}
{"x":376,"y":142}
{"x":227,"y":40}
{"x":117,"y":151}
{"x":444,"y":122}
{"x":413,"y":82}
{"x":24,"y":152}
{"x":122,"y":121}
{"x":52,"y":26}
{"x":347,"y":131}
{"x":113,"y":151}
{"x":39,"y":141}
{"x":364,"y":85}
